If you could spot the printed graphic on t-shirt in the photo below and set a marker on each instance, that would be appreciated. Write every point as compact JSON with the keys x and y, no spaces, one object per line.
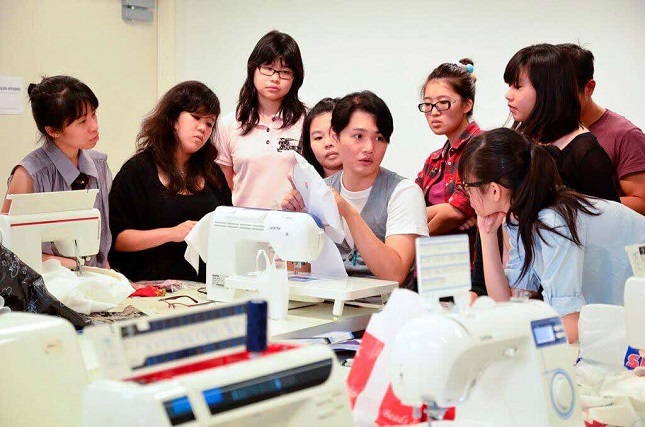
{"x":285,"y":144}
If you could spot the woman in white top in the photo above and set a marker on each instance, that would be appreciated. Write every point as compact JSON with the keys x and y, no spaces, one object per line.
{"x":255,"y":142}
{"x":567,"y":246}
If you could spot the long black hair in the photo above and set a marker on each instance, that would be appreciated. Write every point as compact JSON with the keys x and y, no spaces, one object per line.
{"x":272,"y":46}
{"x":524,"y":167}
{"x":159,"y":138}
{"x":325,"y":105}
{"x":57,"y":101}
{"x":557,"y":107}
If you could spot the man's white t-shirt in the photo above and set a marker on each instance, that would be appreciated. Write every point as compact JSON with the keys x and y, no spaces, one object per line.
{"x":406,"y":210}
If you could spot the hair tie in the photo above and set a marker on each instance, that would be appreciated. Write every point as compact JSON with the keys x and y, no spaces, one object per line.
{"x":468,"y":67}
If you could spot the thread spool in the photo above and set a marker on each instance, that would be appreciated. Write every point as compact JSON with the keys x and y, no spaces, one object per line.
{"x":256,"y":325}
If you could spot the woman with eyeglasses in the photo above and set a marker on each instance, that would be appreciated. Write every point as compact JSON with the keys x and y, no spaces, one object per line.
{"x":567,"y":246}
{"x":255,"y":142}
{"x":167,"y":186}
{"x":64,"y":110}
{"x":448,"y":100}
{"x":383,"y":213}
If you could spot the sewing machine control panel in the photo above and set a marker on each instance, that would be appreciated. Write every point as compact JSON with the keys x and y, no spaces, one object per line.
{"x":547,"y":332}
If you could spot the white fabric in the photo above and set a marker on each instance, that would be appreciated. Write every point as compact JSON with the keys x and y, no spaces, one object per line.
{"x":197,"y":241}
{"x":95,"y":290}
{"x":406,"y":212}
{"x":318,"y":197}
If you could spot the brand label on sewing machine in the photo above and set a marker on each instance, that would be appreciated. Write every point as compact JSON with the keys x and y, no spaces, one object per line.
{"x":218,"y":279}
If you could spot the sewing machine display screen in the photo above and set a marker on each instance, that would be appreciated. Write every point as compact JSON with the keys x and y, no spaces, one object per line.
{"x":443,"y":265}
{"x":179,"y":410}
{"x":544,"y":334}
{"x":548,"y":332}
{"x":244,"y":393}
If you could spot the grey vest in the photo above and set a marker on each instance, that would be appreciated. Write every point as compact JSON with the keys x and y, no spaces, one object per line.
{"x":375,"y":216}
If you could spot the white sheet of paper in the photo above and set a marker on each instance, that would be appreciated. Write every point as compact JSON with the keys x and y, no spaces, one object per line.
{"x":318,"y":198}
{"x":11,"y":94}
{"x":329,"y":262}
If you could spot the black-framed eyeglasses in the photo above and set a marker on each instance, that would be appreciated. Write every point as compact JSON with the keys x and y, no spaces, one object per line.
{"x":464,"y":186}
{"x":269,"y":71}
{"x":443,"y":105}
{"x":81,"y":181}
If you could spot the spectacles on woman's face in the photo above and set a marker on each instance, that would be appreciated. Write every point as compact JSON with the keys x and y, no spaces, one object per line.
{"x":81,"y":181}
{"x":465,"y":186}
{"x":443,"y":105}
{"x":284,"y":74}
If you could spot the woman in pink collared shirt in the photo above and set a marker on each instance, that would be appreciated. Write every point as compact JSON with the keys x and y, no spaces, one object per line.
{"x":448,"y":100}
{"x":255,"y":142}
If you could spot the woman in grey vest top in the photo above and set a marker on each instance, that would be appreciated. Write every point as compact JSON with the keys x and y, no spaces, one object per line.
{"x":64,"y":110}
{"x":383,"y":212}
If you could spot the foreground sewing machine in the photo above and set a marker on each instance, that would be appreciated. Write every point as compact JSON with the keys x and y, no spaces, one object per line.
{"x":237,"y":234}
{"x":189,"y":369}
{"x":66,"y":218}
{"x":494,"y":370}
{"x":504,"y":364}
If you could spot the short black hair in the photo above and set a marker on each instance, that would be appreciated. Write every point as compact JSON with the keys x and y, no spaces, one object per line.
{"x":367,"y":102}
{"x":583,"y":61}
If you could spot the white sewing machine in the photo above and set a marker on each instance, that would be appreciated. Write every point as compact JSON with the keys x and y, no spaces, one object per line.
{"x":66,"y":218}
{"x":506,"y":364}
{"x":192,"y":369}
{"x":42,"y":362}
{"x":237,"y":234}
{"x":189,"y":369}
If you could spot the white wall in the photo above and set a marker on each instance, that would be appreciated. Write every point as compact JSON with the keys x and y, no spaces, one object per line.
{"x":389,"y":47}
{"x":88,"y":40}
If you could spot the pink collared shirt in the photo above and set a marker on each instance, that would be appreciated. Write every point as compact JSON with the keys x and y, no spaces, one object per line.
{"x":261,"y":159}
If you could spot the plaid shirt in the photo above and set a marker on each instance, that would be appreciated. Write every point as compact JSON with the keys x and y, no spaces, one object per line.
{"x":442,"y":167}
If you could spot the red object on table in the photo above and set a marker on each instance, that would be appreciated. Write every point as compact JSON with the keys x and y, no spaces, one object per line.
{"x":149,"y":291}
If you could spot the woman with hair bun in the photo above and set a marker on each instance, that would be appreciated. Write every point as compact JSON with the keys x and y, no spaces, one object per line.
{"x":564,"y":245}
{"x":448,"y":100}
{"x":64,"y":109}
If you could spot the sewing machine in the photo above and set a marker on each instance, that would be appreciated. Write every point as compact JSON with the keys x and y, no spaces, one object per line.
{"x":237,"y":234}
{"x":499,"y":364}
{"x":505,"y":364}
{"x":41,"y":363}
{"x":193,"y":369}
{"x":66,"y":218}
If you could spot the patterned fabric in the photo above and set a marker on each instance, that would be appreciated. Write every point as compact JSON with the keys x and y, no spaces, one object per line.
{"x":441,"y":168}
{"x":24,"y":290}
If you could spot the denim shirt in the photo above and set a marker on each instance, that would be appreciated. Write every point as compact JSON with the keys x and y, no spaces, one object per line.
{"x":571,"y":275}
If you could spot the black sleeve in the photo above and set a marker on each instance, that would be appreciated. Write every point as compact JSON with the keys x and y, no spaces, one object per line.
{"x":478,"y":284}
{"x":127,"y":200}
{"x":598,"y":175}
